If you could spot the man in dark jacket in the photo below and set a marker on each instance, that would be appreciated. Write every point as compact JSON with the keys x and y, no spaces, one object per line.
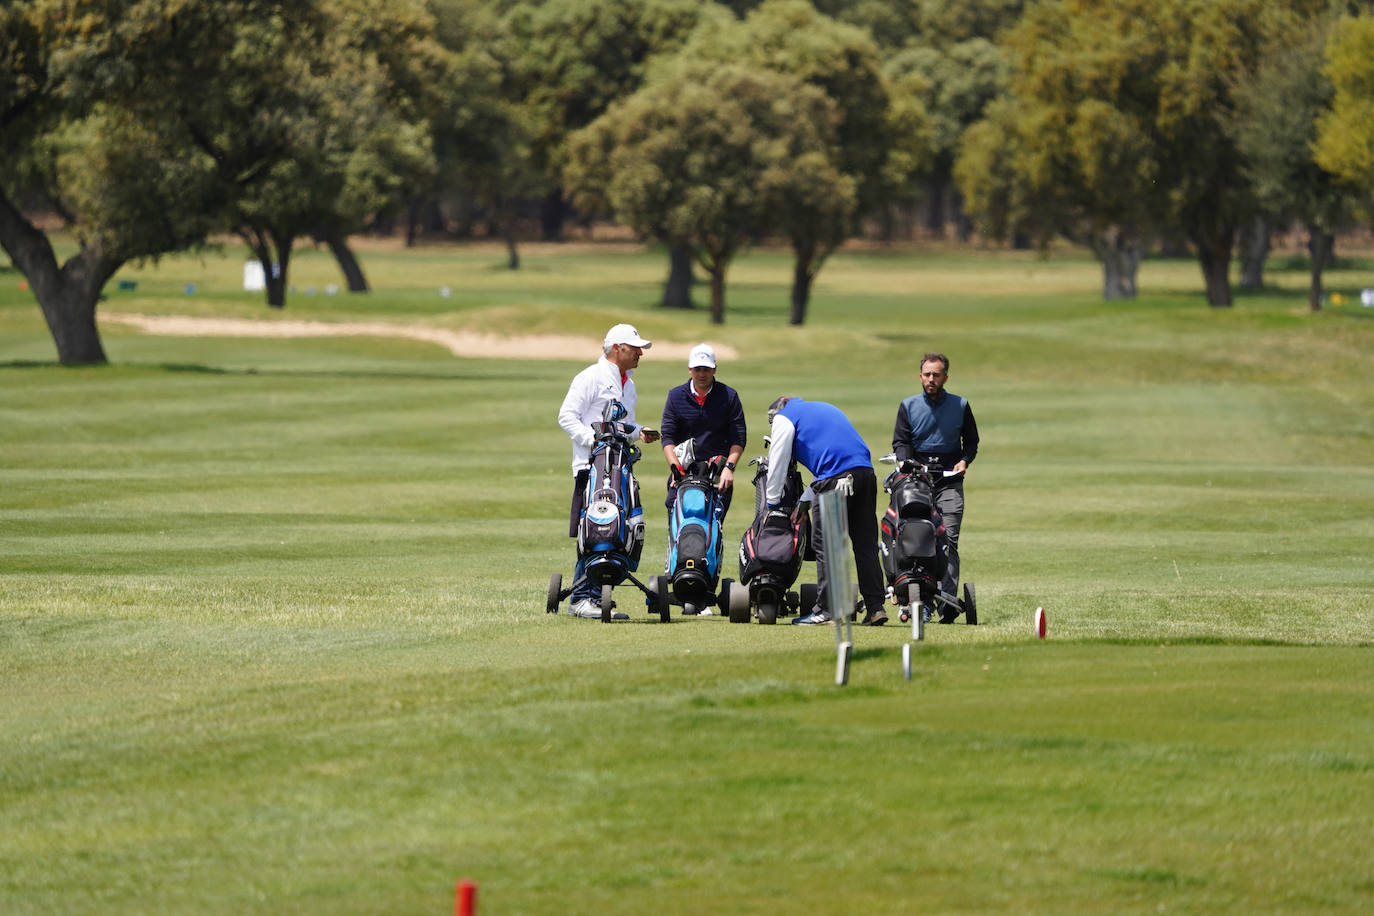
{"x":709,"y":412}
{"x":936,"y":428}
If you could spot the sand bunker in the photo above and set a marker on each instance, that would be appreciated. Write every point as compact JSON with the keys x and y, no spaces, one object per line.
{"x":459,"y":343}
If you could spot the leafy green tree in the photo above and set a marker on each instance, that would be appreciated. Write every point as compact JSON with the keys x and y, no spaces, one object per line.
{"x":484,"y":136}
{"x":948,"y":24}
{"x":1345,"y":134}
{"x":954,"y":82}
{"x":1122,"y":117}
{"x":706,"y":157}
{"x":300,"y":108}
{"x":891,"y":23}
{"x":881,"y":136}
{"x":122,"y":185}
{"x":1275,"y":128}
{"x":571,"y":59}
{"x":407,"y":72}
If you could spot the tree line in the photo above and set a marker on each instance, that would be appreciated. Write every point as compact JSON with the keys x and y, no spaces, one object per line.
{"x":151,"y":126}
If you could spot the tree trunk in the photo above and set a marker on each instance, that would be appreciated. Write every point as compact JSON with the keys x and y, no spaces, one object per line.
{"x":718,"y":295}
{"x":935,"y":207}
{"x":507,"y":210}
{"x":1214,"y":243}
{"x":677,"y":291}
{"x":66,"y":295}
{"x":412,"y":221}
{"x":552,"y":212}
{"x":801,"y":283}
{"x":963,"y":223}
{"x":1120,"y":252}
{"x":275,"y":278}
{"x":1254,"y":246}
{"x":264,"y":241}
{"x":1320,"y":245}
{"x":1216,"y":269}
{"x":352,"y":270}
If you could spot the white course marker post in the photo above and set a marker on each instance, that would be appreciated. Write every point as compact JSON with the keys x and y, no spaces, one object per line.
{"x":835,"y":537}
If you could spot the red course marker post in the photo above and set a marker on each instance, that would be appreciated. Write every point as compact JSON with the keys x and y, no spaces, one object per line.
{"x":465,"y":900}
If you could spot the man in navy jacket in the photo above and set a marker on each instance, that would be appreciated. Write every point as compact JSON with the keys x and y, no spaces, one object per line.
{"x":709,"y":412}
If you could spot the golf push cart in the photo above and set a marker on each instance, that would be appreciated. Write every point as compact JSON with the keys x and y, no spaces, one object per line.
{"x":610,"y":528}
{"x":771,"y":553}
{"x":915,"y":547}
{"x":695,"y":547}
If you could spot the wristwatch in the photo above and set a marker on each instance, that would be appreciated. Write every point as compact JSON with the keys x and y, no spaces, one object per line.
{"x":730,"y":465}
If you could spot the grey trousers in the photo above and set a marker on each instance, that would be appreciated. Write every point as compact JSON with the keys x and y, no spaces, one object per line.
{"x":949,"y":500}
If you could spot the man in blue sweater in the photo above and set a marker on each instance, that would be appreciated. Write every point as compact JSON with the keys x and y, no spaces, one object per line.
{"x":936,"y":428}
{"x":821,"y":439}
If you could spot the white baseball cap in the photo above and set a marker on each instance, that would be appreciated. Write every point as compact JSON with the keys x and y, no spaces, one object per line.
{"x":702,"y":355}
{"x":626,"y":334}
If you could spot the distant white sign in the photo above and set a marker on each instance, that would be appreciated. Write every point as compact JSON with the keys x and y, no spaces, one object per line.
{"x":253,"y":278}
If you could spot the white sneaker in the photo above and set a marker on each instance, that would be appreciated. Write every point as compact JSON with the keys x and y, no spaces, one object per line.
{"x":592,"y":611}
{"x":586,"y":608}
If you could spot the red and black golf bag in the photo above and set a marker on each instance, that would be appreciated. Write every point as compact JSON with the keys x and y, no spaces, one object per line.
{"x":913,"y":543}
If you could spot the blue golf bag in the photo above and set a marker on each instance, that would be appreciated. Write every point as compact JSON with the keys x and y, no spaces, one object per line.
{"x":610,"y":527}
{"x":694,"y":533}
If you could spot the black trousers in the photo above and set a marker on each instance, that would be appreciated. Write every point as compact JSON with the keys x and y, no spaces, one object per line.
{"x":862,"y":517}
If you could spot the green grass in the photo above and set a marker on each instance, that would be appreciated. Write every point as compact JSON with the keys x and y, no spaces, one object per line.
{"x":272,"y":640}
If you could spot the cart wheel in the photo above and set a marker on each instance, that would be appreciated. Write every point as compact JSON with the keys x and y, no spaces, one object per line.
{"x":768,"y":612}
{"x":738,"y":603}
{"x":809,"y":592}
{"x":555,"y":587}
{"x":723,"y":596}
{"x":606,"y":604}
{"x":658,"y":585}
{"x":970,"y":605}
{"x":790,"y":602}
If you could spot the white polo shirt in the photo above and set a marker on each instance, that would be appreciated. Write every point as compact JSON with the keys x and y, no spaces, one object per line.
{"x":591,"y":390}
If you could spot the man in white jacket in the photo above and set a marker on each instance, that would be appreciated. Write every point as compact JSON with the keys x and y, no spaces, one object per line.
{"x":606,"y":380}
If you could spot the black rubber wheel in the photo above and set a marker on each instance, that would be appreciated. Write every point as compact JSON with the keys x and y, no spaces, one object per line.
{"x":970,"y":605}
{"x":790,"y":602}
{"x":555,"y":586}
{"x":723,"y":596}
{"x":737,"y":601}
{"x":809,"y":593}
{"x":665,"y":610}
{"x":606,"y":604}
{"x":768,"y":612}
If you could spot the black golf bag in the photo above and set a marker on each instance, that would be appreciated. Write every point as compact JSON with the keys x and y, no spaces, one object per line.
{"x":773,"y":547}
{"x":914,"y":547}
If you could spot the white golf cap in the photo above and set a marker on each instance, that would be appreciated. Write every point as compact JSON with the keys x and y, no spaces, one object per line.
{"x":626,"y":334}
{"x":701,"y":355}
